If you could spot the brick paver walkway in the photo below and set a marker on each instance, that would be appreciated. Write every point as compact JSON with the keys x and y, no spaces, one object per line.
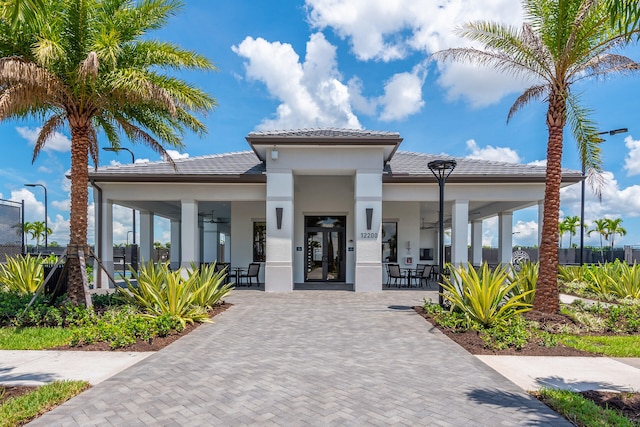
{"x":308,"y":358}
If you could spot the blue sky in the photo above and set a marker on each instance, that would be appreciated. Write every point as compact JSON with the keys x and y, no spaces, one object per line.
{"x":362,"y":64}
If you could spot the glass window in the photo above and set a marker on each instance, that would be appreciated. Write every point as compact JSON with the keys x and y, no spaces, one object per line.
{"x":259,"y":241}
{"x":389,"y":242}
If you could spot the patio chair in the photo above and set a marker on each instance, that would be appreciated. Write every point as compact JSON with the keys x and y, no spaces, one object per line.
{"x":395,"y":273}
{"x":223,"y":266}
{"x":250,"y":274}
{"x":423,"y":272}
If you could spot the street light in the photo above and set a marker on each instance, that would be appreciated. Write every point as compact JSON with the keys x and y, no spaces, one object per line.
{"x":133,"y":160}
{"x":441,"y":169}
{"x":582,"y":190}
{"x":46,"y":222}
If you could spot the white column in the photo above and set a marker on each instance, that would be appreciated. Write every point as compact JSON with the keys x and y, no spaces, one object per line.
{"x":460,"y":233}
{"x":189,"y":234}
{"x":106,"y":244}
{"x":210,"y":242}
{"x":174,"y":250}
{"x":146,"y":237}
{"x":476,"y":242}
{"x":278,"y":274}
{"x":368,"y":242}
{"x":540,"y":220}
{"x":505,"y":237}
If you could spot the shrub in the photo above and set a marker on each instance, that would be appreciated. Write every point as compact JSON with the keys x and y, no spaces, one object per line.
{"x":617,"y":279}
{"x":22,"y":274}
{"x":159,"y":291}
{"x":572,"y":273}
{"x":510,"y":333}
{"x":483,"y":297}
{"x":210,"y":285}
{"x":525,"y":282}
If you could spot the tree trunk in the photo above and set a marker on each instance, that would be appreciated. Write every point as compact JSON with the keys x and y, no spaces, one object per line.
{"x":78,"y":216}
{"x":547,"y":298}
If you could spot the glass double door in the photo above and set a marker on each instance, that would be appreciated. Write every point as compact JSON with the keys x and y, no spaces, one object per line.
{"x":325,"y":248}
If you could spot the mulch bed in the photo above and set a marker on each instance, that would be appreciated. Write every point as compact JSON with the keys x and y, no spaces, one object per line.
{"x":7,"y":392}
{"x":627,"y":403}
{"x":154,"y":344}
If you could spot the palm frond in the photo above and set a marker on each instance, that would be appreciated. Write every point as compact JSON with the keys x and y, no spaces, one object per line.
{"x":137,"y":134}
{"x":51,"y":126}
{"x":532,"y":93}
{"x":93,"y":147}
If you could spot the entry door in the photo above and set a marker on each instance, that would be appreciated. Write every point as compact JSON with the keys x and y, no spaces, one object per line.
{"x":325,"y":261}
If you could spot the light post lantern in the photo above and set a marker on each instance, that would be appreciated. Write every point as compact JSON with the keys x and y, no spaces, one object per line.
{"x":441,"y":169}
{"x":46,"y":216}
{"x":582,"y":190}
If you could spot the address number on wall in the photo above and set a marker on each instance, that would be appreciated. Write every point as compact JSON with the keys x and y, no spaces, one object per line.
{"x":368,"y":235}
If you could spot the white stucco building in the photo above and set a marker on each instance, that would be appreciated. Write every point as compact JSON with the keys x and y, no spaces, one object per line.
{"x":316,"y":205}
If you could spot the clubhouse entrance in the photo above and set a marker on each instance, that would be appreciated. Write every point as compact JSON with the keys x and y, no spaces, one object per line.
{"x":325,"y":248}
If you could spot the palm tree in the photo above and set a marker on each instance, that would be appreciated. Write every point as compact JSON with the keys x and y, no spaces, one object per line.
{"x":560,"y":43}
{"x":38,"y":230}
{"x":571,"y":224}
{"x":91,"y":66}
{"x":614,"y":227}
{"x":27,"y":227}
{"x":562,"y":228}
{"x":600,"y":227}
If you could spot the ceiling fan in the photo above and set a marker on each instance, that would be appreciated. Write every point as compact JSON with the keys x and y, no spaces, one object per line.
{"x":212,"y":219}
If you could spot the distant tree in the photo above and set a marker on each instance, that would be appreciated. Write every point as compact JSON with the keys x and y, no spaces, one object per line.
{"x":562,"y":228}
{"x":571,"y":224}
{"x":600,"y":227}
{"x":614,"y":227}
{"x":37,"y":230}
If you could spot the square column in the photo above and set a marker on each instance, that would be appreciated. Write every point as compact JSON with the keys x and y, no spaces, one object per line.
{"x":209,"y":242}
{"x":105,"y":242}
{"x":189,"y":234}
{"x":368,"y":232}
{"x":476,"y":242}
{"x":278,"y":275}
{"x":174,"y":250}
{"x":540,"y":220}
{"x":505,"y":237}
{"x":146,"y":236}
{"x":459,"y":233}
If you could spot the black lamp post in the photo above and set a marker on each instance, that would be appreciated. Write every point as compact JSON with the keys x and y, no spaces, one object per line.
{"x":46,"y":216}
{"x":581,"y":255}
{"x":133,"y":160}
{"x":441,"y":169}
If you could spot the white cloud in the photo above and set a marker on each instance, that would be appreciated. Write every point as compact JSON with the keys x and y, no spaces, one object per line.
{"x":499,"y":154}
{"x":525,"y":233}
{"x":538,"y":163}
{"x":175,"y":155}
{"x":387,"y":31}
{"x":632,"y":161}
{"x":311,"y":93}
{"x":402,"y":96}
{"x":56,"y":142}
{"x":33,"y":208}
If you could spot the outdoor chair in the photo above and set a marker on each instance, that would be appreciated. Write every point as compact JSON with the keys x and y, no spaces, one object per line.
{"x":395,"y":273}
{"x":222,"y":266}
{"x":250,"y":274}
{"x":423,"y":272}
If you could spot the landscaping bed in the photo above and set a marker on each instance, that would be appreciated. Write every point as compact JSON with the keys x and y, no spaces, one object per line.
{"x":627,"y":403}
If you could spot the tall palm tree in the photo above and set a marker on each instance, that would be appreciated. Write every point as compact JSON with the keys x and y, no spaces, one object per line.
{"x":560,"y":43}
{"x":92,"y":67}
{"x":562,"y":228}
{"x":614,"y":227}
{"x":600,"y":227}
{"x":27,"y":227}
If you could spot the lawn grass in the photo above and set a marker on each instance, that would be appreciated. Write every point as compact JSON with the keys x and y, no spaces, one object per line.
{"x":19,"y":410}
{"x":33,"y":338}
{"x":607,"y":345}
{"x":580,"y":411}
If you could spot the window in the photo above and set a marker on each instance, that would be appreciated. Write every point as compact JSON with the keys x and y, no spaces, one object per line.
{"x":259,"y":241}
{"x":389,"y":242}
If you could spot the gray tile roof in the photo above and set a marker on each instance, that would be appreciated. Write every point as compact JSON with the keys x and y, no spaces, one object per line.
{"x":325,"y":133}
{"x":404,"y":166}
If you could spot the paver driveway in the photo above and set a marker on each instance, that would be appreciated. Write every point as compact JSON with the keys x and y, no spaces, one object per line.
{"x":309,"y":358}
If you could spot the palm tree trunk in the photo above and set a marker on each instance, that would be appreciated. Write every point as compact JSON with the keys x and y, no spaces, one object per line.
{"x":79,"y":199}
{"x":547,"y":296}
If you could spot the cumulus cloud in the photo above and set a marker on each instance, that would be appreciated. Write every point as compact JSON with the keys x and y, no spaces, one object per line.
{"x":538,"y":163}
{"x":632,"y":161}
{"x":56,"y":142}
{"x":388,"y":31}
{"x":499,"y":154}
{"x":310,"y":92}
{"x":525,"y":233}
{"x":402,"y":96}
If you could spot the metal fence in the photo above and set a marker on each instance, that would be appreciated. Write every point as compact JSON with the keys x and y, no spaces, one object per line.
{"x":11,"y":228}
